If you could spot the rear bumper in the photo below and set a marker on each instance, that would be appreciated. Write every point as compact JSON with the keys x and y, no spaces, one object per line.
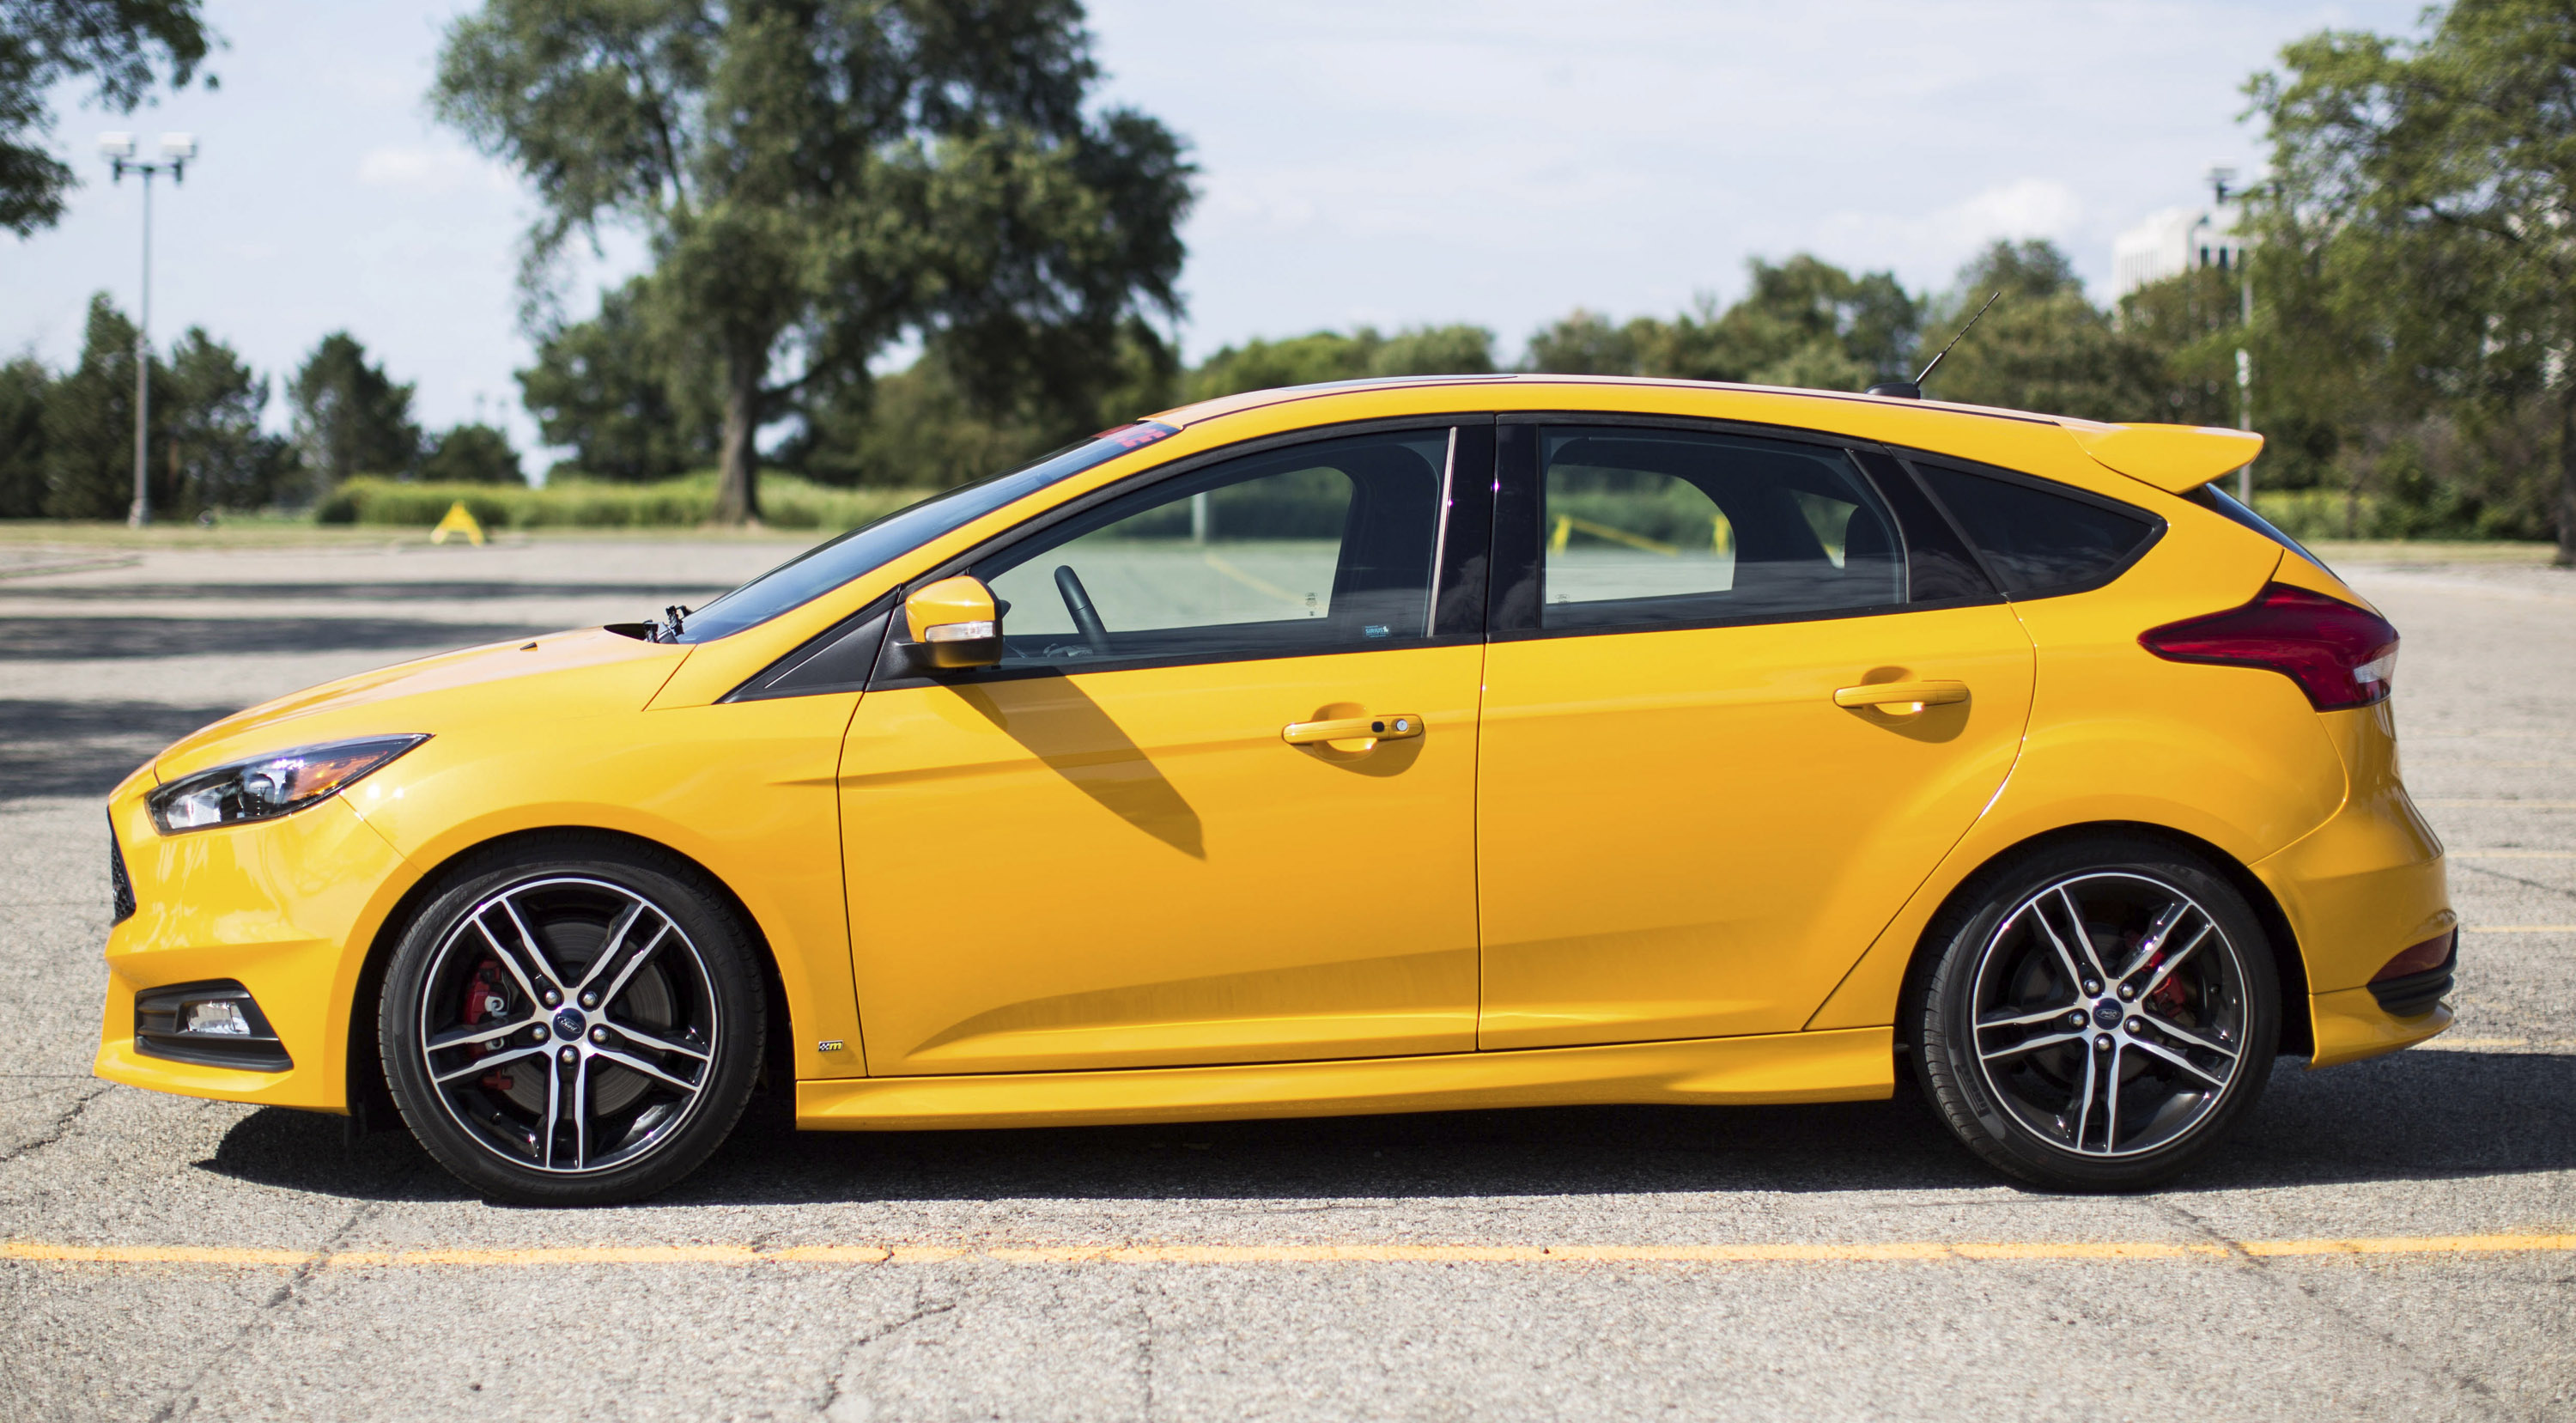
{"x":2358,"y":890}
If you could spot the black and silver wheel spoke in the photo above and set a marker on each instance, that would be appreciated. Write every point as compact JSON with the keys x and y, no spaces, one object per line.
{"x":2099,"y":1060}
{"x":623,"y":955}
{"x":482,"y":1066}
{"x":476,"y":1037}
{"x":609,"y":1045}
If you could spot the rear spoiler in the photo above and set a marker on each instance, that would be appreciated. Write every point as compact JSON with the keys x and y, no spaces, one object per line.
{"x":2175,"y":458}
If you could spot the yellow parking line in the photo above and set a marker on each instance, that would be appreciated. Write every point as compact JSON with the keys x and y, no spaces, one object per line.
{"x":36,"y":1251}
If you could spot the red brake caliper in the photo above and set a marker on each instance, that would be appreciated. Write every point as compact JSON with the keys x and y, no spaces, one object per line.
{"x":2170,"y":996}
{"x":485,"y":999}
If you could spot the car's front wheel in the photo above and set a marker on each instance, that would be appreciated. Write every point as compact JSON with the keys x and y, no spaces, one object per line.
{"x":572,"y":1023}
{"x":2100,"y":1016}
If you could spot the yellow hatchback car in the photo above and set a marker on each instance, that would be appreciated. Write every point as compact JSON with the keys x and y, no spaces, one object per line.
{"x":1394,"y":746}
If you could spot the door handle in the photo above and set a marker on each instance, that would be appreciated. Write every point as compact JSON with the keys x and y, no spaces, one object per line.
{"x":1901,"y":698}
{"x":1395,"y":726}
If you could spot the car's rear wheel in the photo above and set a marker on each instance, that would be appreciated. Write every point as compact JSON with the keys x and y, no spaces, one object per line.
{"x":572,"y":1023}
{"x":2101,"y":1015}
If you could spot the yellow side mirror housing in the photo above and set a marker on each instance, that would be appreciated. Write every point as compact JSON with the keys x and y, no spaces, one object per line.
{"x":954,"y":623}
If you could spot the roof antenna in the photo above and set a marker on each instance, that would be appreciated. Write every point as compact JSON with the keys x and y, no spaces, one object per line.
{"x":1913,"y":389}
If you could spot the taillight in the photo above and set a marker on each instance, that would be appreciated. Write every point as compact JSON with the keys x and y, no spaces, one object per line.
{"x":2340,"y":655}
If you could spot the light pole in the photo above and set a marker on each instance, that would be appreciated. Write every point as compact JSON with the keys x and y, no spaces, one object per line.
{"x":176,"y":150}
{"x":2219,"y":191}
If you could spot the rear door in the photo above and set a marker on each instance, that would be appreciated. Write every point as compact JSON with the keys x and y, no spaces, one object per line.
{"x":1744,"y":692}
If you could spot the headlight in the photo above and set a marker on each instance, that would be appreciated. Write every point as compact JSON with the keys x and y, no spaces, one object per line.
{"x":272,"y":785}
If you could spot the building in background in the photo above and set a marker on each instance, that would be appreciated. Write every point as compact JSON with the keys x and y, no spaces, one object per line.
{"x":2175,"y":241}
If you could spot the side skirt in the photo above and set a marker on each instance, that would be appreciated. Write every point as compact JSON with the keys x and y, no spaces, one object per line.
{"x":1841,"y":1065}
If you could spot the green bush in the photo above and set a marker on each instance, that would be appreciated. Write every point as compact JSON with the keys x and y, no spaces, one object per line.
{"x":685,"y":502}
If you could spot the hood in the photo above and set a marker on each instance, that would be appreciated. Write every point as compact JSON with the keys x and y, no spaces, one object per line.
{"x":583,"y":672}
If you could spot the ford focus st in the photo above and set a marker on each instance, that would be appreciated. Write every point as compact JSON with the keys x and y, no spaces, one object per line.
{"x":1387,"y":747}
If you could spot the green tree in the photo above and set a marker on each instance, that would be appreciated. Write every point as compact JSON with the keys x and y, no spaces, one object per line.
{"x":1330,"y":356}
{"x":926,"y":428}
{"x":126,"y":48}
{"x":2043,"y":346}
{"x":89,"y":422}
{"x":1586,"y":343}
{"x":816,"y":178}
{"x":2193,"y":324}
{"x":472,"y":454}
{"x":1803,"y":322}
{"x":24,"y":383}
{"x":350,"y":417}
{"x":206,"y":407}
{"x":67,"y":444}
{"x":611,"y":389}
{"x":2418,"y":231}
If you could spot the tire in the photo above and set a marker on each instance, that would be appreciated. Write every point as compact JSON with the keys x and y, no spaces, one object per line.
{"x":2178,"y":1031}
{"x":617,"y":1050}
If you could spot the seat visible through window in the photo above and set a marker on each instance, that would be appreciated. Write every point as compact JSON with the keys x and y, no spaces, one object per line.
{"x":1647,"y":528}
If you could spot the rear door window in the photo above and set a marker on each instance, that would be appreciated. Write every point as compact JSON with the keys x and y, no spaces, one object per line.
{"x":2041,"y":543}
{"x":1643,"y":528}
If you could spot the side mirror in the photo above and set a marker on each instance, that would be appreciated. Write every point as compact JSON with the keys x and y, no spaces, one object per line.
{"x":954,"y":624}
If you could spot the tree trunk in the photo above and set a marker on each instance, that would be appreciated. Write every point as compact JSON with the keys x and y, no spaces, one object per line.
{"x":738,"y":467}
{"x":2567,"y":475}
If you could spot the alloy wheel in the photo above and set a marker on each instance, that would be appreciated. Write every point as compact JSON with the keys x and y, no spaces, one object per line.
{"x":568,"y":1024}
{"x":2110,"y":1013}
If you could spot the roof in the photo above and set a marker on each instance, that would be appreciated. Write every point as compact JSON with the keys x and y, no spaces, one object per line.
{"x":2174,"y":458}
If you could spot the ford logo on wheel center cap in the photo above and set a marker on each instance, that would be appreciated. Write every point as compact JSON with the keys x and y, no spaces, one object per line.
{"x":568,"y":1025}
{"x":2106,"y":1013}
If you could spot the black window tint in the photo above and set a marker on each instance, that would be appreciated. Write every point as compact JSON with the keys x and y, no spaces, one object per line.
{"x":2038,"y":543}
{"x":1938,"y":566}
{"x":1642,"y":527}
{"x":1318,"y":548}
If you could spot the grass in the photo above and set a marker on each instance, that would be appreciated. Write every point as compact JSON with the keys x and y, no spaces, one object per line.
{"x":2491,"y":551}
{"x":687,"y":502}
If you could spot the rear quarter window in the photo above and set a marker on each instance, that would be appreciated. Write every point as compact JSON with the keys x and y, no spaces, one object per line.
{"x":2041,"y":542}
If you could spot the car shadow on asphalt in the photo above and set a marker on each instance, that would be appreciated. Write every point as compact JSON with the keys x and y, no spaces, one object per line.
{"x":378,"y":591}
{"x":59,"y":748}
{"x":2417,"y":1116}
{"x":118,"y":638}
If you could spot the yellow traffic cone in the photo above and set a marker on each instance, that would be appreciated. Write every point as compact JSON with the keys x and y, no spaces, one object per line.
{"x":458,"y":521}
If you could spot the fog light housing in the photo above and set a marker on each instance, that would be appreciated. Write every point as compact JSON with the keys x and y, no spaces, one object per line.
{"x":214,"y":1016}
{"x":216,"y":1024}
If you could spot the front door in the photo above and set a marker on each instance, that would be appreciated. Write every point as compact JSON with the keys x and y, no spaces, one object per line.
{"x":1133,"y":843}
{"x":1694,"y":811}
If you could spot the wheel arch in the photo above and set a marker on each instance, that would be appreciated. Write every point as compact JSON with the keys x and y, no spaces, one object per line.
{"x":370,"y":1099}
{"x":2289,"y":964}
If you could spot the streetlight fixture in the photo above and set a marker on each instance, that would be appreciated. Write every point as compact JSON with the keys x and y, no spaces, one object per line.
{"x":177,"y":151}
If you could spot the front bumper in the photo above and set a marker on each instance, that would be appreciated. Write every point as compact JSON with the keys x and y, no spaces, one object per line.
{"x":286,"y":908}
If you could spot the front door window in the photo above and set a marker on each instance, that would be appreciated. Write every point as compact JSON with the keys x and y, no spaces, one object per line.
{"x":1318,"y":548}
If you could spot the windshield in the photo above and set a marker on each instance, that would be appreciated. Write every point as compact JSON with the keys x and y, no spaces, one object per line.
{"x":828,"y":565}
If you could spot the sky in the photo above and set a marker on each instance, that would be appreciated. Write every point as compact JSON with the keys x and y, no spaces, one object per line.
{"x":1388,"y":162}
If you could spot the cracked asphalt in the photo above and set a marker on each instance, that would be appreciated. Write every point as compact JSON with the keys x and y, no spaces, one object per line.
{"x":1849,"y":1261}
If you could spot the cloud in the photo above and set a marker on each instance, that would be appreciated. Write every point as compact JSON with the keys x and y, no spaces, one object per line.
{"x":427,"y":170}
{"x":1926,"y":247}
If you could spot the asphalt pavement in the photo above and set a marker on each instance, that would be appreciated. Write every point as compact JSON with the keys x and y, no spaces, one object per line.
{"x":2394,"y":1239}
